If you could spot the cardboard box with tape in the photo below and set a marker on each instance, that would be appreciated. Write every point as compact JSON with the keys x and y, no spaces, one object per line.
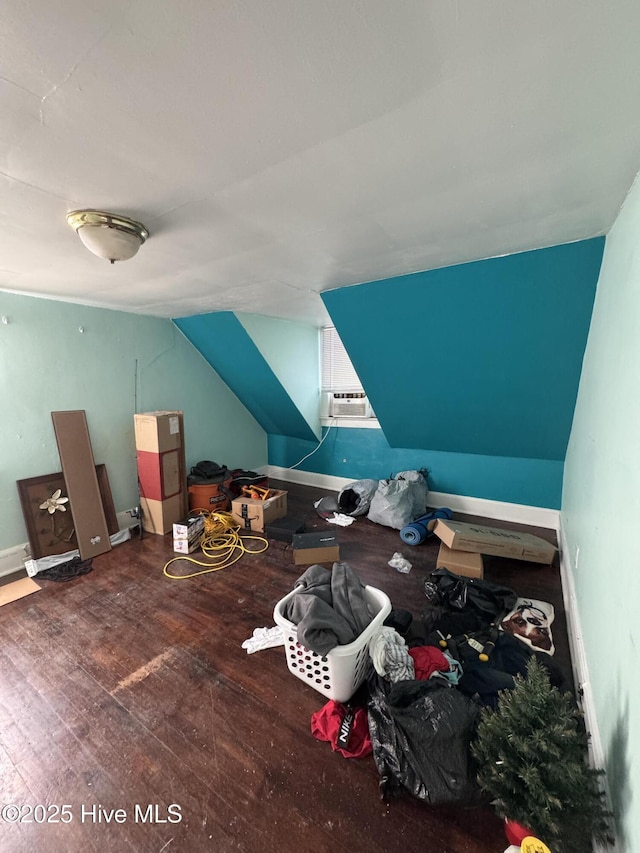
{"x":494,"y":541}
{"x":253,"y":514}
{"x":465,"y":563}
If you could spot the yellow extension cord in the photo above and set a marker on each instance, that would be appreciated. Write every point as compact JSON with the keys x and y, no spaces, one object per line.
{"x":220,"y":542}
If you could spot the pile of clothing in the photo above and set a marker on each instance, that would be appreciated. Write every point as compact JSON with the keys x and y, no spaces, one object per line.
{"x":329,"y":609}
{"x":431,"y":676}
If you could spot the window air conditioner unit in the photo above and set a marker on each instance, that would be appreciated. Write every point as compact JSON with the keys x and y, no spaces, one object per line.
{"x":349,"y":406}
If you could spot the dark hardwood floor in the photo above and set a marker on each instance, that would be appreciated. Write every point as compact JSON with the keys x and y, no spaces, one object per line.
{"x":123,"y":688}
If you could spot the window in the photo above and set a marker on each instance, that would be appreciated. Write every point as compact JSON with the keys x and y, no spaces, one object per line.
{"x":344,"y":397}
{"x":338,"y":374}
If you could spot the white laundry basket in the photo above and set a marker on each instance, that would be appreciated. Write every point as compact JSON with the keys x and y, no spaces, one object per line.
{"x":339,"y":673}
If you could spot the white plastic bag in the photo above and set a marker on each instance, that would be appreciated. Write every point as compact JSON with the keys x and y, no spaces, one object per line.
{"x":392,"y":504}
{"x":400,"y":563}
{"x":418,"y":487}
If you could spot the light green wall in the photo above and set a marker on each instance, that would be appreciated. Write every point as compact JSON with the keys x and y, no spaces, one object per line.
{"x":47,"y":364}
{"x":601,"y":511}
{"x":292,"y":351}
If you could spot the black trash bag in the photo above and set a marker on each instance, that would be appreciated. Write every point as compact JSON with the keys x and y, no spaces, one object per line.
{"x":66,"y":571}
{"x":420,"y":733}
{"x":488,"y":600}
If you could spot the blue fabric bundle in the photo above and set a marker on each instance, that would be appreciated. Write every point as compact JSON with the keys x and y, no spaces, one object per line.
{"x":416,"y":532}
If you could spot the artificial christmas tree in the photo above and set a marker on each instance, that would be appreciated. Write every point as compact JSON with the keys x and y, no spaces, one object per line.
{"x":532,"y":760}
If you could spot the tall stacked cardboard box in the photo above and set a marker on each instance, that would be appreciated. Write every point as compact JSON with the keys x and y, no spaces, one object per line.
{"x":162,"y":474}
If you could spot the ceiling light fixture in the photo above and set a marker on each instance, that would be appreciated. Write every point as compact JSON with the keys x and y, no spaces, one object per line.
{"x":108,"y":235}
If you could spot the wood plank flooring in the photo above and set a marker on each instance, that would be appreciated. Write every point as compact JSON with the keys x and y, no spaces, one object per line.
{"x":123,"y":688}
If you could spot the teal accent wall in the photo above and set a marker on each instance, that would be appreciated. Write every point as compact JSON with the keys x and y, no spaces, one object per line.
{"x":472,"y":370}
{"x":601,"y":508}
{"x":482,"y":358}
{"x":362,"y":453}
{"x":292,"y":351}
{"x":118,"y":362}
{"x":224,"y":342}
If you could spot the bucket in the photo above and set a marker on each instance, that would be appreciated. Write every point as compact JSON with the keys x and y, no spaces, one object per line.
{"x":210,"y":497}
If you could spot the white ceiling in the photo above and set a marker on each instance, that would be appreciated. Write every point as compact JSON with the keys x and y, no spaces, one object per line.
{"x":278,"y":148}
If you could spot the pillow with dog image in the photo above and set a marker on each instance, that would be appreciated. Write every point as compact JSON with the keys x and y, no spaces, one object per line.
{"x":530,"y":621}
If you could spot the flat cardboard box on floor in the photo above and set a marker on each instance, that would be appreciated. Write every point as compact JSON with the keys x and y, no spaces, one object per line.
{"x":465,"y":563}
{"x":16,"y":590}
{"x":495,"y":541}
{"x":316,"y":547}
{"x":253,"y":514}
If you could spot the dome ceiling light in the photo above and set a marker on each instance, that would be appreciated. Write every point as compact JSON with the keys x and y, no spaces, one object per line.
{"x":108,"y":235}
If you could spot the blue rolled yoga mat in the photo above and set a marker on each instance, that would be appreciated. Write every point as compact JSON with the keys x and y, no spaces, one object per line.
{"x":416,"y":532}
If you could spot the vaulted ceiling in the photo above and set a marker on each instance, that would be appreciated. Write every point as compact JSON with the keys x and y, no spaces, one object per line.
{"x":276,"y":149}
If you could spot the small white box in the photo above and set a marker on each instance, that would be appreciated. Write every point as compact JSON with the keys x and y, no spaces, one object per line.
{"x":187,"y":534}
{"x":188,"y":527}
{"x":186,"y":546}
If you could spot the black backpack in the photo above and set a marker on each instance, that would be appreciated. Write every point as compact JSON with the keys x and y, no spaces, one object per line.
{"x":208,"y":472}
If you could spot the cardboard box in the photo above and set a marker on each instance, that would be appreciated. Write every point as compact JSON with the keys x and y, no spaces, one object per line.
{"x":253,"y":514}
{"x":284,"y":529}
{"x":187,"y":534}
{"x":315,"y":547}
{"x":465,"y":563}
{"x":499,"y":542}
{"x":161,"y":464}
{"x":186,"y":546}
{"x":160,"y":474}
{"x":157,"y":432}
{"x":159,"y":516}
{"x":189,"y":527}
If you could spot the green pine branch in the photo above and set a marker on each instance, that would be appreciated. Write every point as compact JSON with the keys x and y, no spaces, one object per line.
{"x":531,"y":753}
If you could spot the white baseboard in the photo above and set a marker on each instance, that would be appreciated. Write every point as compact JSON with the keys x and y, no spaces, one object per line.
{"x":126,"y":520}
{"x":12,"y":559}
{"x":305,"y":478}
{"x":581,"y":679}
{"x":500,"y":510}
{"x":578,"y":653}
